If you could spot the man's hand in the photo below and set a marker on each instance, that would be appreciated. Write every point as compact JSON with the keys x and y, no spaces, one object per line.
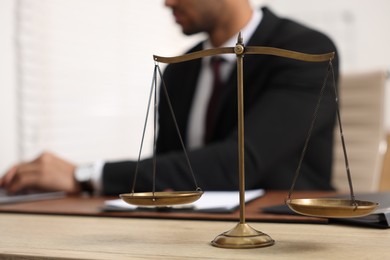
{"x":47,"y":172}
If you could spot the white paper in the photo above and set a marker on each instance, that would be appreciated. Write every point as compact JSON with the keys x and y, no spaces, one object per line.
{"x":210,"y":201}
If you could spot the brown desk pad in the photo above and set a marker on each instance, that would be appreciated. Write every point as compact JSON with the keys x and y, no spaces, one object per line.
{"x":92,"y":206}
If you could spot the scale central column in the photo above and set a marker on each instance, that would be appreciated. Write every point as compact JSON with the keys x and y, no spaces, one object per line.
{"x":242,"y":235}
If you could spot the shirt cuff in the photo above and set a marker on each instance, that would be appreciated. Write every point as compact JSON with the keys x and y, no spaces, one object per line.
{"x":96,"y":177}
{"x":94,"y":171}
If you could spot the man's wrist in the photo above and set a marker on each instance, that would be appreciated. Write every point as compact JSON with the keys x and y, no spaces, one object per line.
{"x":89,"y":176}
{"x":83,"y":176}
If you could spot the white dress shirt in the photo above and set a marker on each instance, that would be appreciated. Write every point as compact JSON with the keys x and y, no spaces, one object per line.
{"x":197,"y":116}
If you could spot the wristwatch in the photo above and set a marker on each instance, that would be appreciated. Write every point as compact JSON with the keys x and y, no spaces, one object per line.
{"x":83,"y":176}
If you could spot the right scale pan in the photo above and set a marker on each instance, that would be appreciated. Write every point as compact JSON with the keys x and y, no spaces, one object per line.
{"x":331,"y":208}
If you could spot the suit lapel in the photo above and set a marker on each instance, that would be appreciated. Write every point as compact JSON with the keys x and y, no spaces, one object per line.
{"x":262,"y":36}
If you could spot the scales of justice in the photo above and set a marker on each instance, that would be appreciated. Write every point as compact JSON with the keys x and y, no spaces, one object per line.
{"x":243,"y":235}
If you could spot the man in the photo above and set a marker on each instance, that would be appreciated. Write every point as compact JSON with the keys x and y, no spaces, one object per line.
{"x":280,"y":97}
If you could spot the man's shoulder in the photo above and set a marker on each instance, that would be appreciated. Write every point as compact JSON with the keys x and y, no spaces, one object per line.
{"x":288,"y":31}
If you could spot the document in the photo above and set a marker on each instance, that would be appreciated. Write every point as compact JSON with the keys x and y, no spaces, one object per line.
{"x":211,"y":201}
{"x":30,"y":196}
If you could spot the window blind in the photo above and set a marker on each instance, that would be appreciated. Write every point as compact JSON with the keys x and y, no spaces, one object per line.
{"x":85,"y":70}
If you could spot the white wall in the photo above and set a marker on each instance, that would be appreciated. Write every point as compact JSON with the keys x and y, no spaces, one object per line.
{"x":8,"y":117}
{"x":359,"y":28}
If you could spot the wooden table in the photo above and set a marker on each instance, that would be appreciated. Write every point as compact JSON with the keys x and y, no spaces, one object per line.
{"x":77,"y":228}
{"x":32,"y":236}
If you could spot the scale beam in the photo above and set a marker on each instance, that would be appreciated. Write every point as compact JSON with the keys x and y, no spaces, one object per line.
{"x":248,"y":50}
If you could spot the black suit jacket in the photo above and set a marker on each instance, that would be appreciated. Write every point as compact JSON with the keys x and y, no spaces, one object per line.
{"x":280,"y":96}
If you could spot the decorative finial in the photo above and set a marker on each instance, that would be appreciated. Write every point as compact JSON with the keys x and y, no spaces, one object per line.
{"x":239,"y":49}
{"x":239,"y":38}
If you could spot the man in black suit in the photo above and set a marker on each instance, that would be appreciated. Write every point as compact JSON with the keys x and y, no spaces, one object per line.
{"x":280,"y":96}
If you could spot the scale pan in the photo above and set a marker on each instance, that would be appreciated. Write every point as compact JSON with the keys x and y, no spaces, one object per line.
{"x":162,"y":198}
{"x":331,"y":208}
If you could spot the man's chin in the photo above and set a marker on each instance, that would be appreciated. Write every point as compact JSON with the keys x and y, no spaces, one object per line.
{"x":189,"y":32}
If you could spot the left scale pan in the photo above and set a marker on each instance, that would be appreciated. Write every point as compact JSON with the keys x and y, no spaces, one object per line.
{"x":161,"y":199}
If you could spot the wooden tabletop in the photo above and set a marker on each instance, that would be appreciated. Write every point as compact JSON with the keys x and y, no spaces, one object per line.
{"x":32,"y":236}
{"x":75,"y":227}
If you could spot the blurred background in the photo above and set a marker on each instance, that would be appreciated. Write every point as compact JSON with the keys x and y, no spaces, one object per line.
{"x":75,"y":75}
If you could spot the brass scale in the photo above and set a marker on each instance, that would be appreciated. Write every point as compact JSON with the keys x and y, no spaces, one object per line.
{"x":243,"y":235}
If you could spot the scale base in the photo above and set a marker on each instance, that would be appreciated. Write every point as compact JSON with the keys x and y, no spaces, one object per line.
{"x":242,"y":236}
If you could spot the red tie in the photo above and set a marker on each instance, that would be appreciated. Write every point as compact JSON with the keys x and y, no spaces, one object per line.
{"x":213,"y":102}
